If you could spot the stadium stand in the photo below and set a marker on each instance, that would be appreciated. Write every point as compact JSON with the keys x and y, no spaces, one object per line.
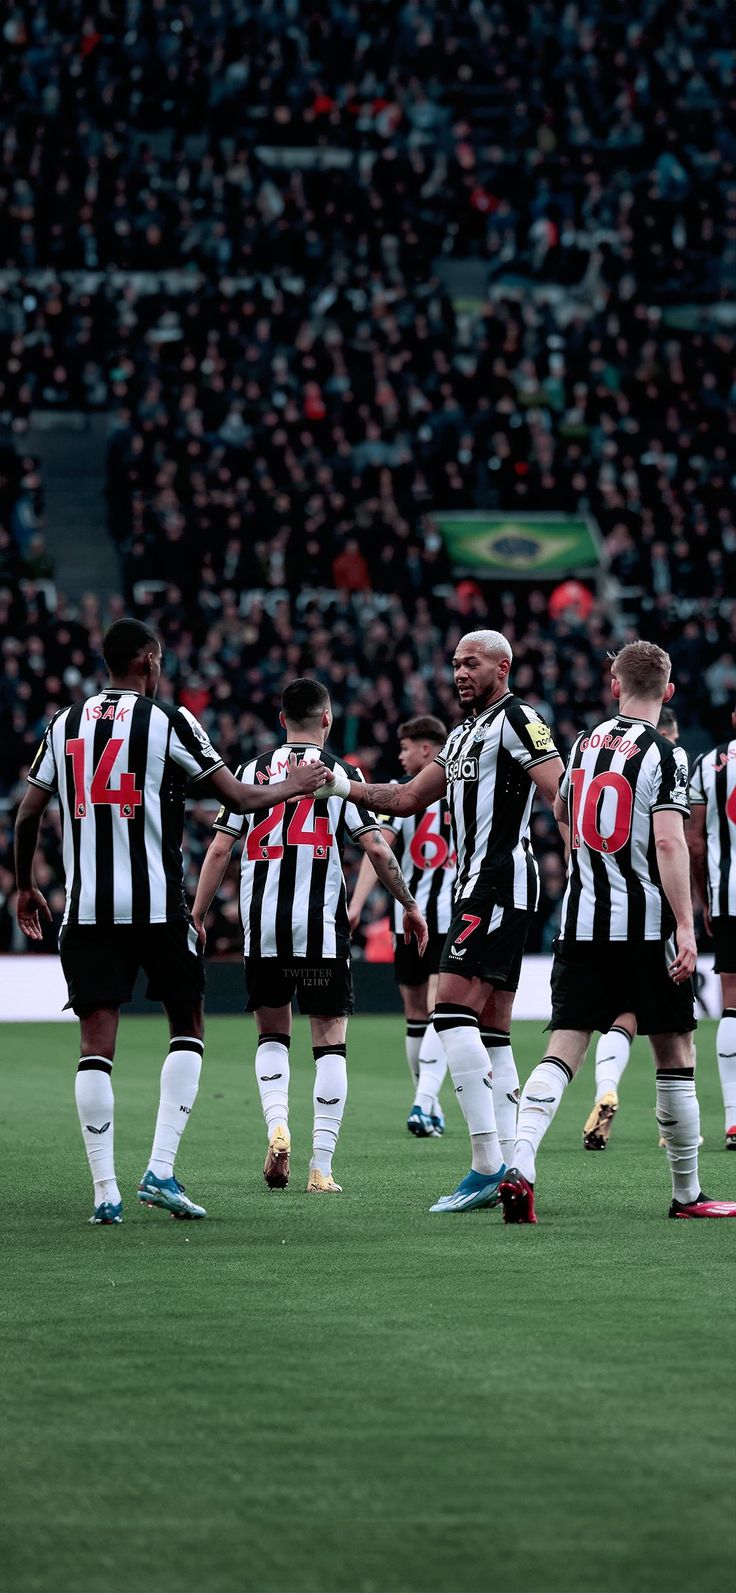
{"x":447,"y":257}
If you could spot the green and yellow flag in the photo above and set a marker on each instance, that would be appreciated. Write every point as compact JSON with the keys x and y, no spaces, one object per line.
{"x":532,"y":547}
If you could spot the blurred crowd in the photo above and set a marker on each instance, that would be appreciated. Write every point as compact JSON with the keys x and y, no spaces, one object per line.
{"x":422,"y":258}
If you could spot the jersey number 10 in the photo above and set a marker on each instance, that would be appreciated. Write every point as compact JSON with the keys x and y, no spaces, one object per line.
{"x":586,"y":809}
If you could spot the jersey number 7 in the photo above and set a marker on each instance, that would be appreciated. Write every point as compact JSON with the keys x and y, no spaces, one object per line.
{"x":125,"y":797}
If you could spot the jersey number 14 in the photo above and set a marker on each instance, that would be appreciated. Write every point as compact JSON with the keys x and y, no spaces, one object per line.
{"x":125,"y":797}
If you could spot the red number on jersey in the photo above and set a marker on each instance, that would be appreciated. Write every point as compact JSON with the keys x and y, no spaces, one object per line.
{"x":731,"y":807}
{"x":428,"y":849}
{"x":256,"y":850}
{"x":320,"y":837}
{"x":472,"y":923}
{"x":126,"y":797}
{"x":585,"y":808}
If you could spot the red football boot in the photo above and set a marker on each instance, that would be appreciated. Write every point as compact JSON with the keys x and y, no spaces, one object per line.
{"x":517,"y":1197}
{"x":702,"y":1206}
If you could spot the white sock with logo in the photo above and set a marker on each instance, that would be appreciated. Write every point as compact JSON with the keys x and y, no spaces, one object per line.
{"x":726,"y":1050}
{"x":505,"y":1087}
{"x":272,"y":1078}
{"x":96,"y":1109}
{"x":330,"y":1095}
{"x":611,"y":1056}
{"x":432,"y":1073}
{"x":467,"y":1060}
{"x":416,"y":1029}
{"x":540,"y":1099}
{"x":179,"y":1085}
{"x":678,"y":1115}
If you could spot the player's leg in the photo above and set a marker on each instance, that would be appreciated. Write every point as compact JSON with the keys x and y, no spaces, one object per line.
{"x":172,"y":958}
{"x":96,"y":1109}
{"x":666,"y":1013}
{"x":495,"y":1032}
{"x":100,"y":972}
{"x":540,"y":1099}
{"x":726,"y":1034}
{"x":416,"y":1013}
{"x":432,"y":1059}
{"x":273,"y":1078}
{"x":458,"y":1007}
{"x":329,"y":1098}
{"x":611,"y":1056}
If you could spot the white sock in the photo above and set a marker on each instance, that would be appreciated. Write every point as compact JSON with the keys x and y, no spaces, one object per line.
{"x":611,"y":1056}
{"x":467,"y":1060}
{"x":505,"y":1087}
{"x":96,"y":1109}
{"x":416,"y":1029}
{"x":432,"y":1072}
{"x":726,"y":1049}
{"x":272,"y":1078}
{"x":540,"y":1099}
{"x":330,"y":1095}
{"x":179,"y":1085}
{"x":678,"y":1115}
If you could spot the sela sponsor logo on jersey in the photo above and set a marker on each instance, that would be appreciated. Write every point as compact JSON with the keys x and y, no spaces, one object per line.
{"x":462,"y":769}
{"x":609,"y":743}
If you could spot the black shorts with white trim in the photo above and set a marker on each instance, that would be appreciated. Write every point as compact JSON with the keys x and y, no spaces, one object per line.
{"x":486,"y":940}
{"x":322,"y":990}
{"x":101,"y":965}
{"x":724,"y":941}
{"x":592,"y":984}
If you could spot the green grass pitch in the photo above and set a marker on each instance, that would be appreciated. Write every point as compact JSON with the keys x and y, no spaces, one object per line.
{"x":347,"y":1393}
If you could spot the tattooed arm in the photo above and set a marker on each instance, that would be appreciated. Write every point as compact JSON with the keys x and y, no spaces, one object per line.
{"x":377,"y":849}
{"x":413,"y":797}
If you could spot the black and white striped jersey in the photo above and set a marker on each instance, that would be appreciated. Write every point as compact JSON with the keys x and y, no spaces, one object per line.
{"x":120,"y":764}
{"x":618,"y":775}
{"x":292,"y":889}
{"x":425,"y":852}
{"x":713,"y":782}
{"x":486,"y":762}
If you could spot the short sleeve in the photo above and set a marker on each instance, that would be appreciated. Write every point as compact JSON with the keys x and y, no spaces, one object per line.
{"x":357,"y":818}
{"x":191,"y":748}
{"x":444,"y":753}
{"x":696,"y":794}
{"x":526,"y":736}
{"x":671,"y":789}
{"x":43,"y":771}
{"x":232,"y":823}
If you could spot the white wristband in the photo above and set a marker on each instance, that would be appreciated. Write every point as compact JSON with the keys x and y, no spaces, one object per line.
{"x":338,"y":786}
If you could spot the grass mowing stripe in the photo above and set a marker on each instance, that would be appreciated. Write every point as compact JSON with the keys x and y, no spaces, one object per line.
{"x":310,"y":1389}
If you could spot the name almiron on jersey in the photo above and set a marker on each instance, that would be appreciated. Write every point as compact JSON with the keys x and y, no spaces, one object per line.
{"x":292,"y":889}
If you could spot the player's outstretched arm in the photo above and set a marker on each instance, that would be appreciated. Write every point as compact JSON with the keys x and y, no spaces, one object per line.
{"x":386,"y":867}
{"x":413,"y":797}
{"x":673,"y":862}
{"x":30,"y":901}
{"x":302,"y":780}
{"x":210,"y":879}
{"x":364,"y":884}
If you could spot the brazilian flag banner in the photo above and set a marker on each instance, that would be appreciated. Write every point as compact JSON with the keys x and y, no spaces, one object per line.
{"x":533,"y":547}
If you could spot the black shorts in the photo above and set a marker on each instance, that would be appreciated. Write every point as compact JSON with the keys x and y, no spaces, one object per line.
{"x":409,"y":967}
{"x":724,"y":940}
{"x":593,"y":985}
{"x":486,"y":941}
{"x":100,"y":965}
{"x":322,"y":990}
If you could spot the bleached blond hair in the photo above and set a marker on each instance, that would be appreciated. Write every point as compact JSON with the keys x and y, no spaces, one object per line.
{"x":489,"y":642}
